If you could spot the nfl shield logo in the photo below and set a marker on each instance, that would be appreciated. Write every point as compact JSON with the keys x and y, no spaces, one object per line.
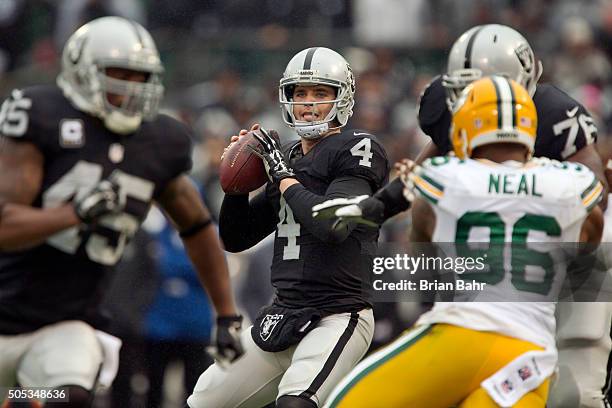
{"x":268,"y":324}
{"x":525,"y":122}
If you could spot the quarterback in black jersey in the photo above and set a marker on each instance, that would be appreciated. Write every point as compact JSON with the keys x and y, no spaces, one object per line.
{"x":81,"y":163}
{"x":320,"y":323}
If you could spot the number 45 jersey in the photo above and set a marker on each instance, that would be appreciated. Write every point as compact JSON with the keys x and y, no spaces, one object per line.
{"x":526,"y":204}
{"x":62,"y":278}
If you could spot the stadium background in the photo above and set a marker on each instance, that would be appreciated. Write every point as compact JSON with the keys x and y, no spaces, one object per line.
{"x":223,"y":60}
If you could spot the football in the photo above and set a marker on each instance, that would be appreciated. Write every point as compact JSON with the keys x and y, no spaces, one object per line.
{"x":242,"y":171}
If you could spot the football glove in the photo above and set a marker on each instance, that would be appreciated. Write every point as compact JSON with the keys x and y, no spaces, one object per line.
{"x":394,"y":198}
{"x":362,"y":210}
{"x":272,"y":155}
{"x":228,"y":346}
{"x":105,"y":198}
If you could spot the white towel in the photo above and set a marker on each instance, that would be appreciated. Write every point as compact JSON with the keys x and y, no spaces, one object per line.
{"x":522,"y":375}
{"x":110,"y":364}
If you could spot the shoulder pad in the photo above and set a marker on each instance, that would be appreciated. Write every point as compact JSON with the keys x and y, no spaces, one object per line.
{"x":359,"y":153}
{"x":175,"y":142}
{"x":564,"y":127}
{"x":432,"y":102}
{"x":433,"y":176}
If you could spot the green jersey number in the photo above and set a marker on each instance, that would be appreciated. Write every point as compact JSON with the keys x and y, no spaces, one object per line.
{"x":519,"y":254}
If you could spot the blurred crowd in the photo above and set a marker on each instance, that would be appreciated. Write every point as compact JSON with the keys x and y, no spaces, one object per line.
{"x":223,"y":61}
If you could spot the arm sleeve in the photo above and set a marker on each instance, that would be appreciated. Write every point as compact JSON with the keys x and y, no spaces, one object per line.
{"x":301,"y":202}
{"x":588,"y":185}
{"x":243,"y":223}
{"x":392,"y":197}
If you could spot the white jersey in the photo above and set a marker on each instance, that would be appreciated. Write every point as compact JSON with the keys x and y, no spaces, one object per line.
{"x":541,"y":201}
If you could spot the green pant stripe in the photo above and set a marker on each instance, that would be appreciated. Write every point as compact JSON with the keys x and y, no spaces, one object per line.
{"x":392,"y":352}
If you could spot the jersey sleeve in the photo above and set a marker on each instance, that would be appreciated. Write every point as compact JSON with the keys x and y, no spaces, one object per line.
{"x":362,"y":157}
{"x":22,"y":118}
{"x":176,"y":146}
{"x":565,"y":126}
{"x":588,"y":186}
{"x":431,"y":178}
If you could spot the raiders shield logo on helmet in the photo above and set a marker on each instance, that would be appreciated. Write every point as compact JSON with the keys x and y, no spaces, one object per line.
{"x":268,"y":324}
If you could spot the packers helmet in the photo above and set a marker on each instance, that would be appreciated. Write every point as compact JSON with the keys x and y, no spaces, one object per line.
{"x":494,"y":109}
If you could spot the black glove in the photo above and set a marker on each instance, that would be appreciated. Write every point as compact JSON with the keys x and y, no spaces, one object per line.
{"x":272,"y":155}
{"x":104,"y":198}
{"x":228,"y":346}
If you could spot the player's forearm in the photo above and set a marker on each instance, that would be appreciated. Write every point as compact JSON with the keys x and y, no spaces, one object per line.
{"x":205,"y":252}
{"x":430,"y":150}
{"x":301,"y":202}
{"x":23,"y":227}
{"x":242,"y":224}
{"x":392,"y":197}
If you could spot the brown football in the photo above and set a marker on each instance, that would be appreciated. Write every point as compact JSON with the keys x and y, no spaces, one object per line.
{"x":241,"y":170}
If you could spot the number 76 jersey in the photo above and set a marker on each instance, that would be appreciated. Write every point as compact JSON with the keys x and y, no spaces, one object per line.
{"x":61,"y":279}
{"x":529,"y":206}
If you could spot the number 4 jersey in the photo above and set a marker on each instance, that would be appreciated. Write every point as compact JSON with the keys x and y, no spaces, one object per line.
{"x":541,"y":201}
{"x":62,"y":278}
{"x":306,"y":271}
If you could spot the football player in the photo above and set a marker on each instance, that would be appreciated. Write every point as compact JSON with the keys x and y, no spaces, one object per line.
{"x":484,"y":354}
{"x":320,"y":323}
{"x":81,"y":163}
{"x":565,"y":132}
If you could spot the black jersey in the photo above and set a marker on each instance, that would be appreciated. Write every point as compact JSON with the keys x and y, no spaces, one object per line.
{"x":61,"y":278}
{"x":307,"y":271}
{"x":564,"y":125}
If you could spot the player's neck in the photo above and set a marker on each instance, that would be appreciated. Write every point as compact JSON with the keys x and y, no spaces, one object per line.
{"x":307,"y":145}
{"x":500,"y":153}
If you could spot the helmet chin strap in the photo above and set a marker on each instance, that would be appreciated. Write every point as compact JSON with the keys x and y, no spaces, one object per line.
{"x":122,"y":124}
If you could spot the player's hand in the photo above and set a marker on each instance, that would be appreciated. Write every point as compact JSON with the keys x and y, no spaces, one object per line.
{"x":227,"y":347}
{"x":361,"y":210}
{"x":105,"y":198}
{"x":272,"y":155}
{"x":405,"y":170}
